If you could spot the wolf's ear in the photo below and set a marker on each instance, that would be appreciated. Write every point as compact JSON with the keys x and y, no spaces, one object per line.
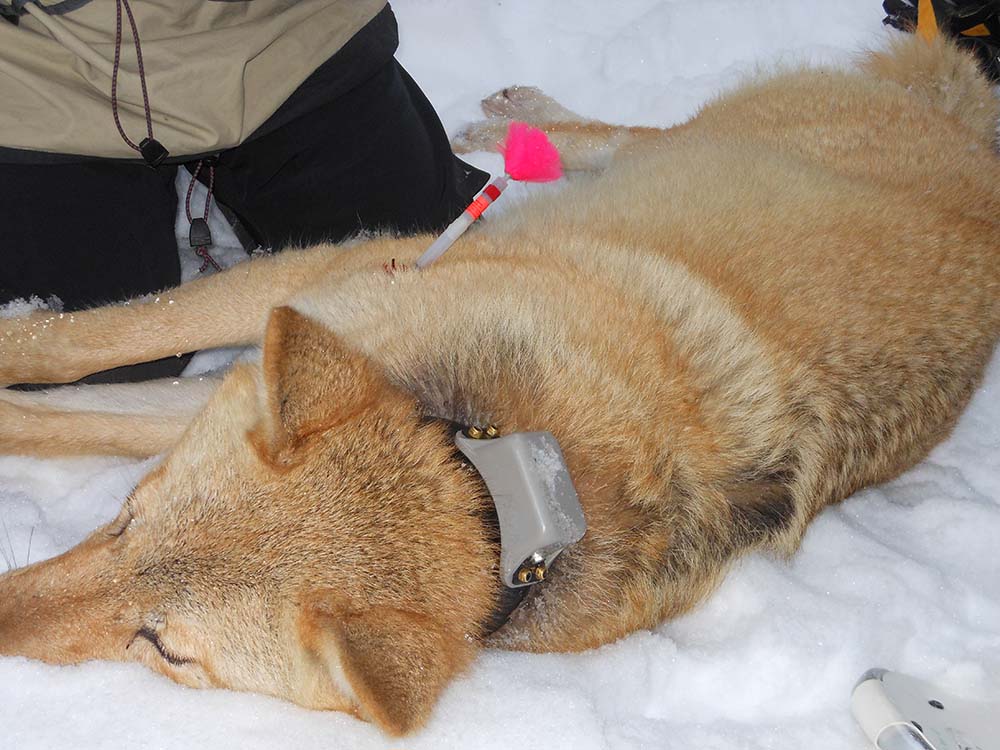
{"x":395,"y":662}
{"x":310,"y":378}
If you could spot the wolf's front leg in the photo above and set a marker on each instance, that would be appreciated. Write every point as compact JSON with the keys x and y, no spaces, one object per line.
{"x":130,"y":419}
{"x":225,"y":309}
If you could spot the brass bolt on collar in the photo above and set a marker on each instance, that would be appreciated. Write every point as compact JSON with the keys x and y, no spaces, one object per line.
{"x":475,"y":432}
{"x":492,"y":431}
{"x":539,"y":572}
{"x":524,"y":575}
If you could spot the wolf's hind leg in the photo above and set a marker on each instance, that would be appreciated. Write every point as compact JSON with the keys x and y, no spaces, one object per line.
{"x":584,"y":145}
{"x":131,"y":419}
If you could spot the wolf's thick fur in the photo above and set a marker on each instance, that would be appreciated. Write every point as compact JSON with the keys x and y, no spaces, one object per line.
{"x":744,"y":319}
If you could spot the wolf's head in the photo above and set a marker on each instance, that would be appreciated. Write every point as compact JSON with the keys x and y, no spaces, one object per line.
{"x":309,"y":538}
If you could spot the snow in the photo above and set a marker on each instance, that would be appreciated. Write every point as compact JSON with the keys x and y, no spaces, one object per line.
{"x":18,"y":308}
{"x":904,"y":576}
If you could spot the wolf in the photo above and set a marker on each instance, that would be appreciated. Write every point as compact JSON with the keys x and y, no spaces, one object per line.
{"x":727,"y":325}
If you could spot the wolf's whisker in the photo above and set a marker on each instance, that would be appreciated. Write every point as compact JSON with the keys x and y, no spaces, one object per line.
{"x":27,"y":557}
{"x":12,"y":560}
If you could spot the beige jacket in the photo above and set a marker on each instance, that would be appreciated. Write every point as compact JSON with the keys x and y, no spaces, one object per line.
{"x":215,"y":69}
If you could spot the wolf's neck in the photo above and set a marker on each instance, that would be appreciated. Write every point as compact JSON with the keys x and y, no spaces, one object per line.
{"x":527,"y":342}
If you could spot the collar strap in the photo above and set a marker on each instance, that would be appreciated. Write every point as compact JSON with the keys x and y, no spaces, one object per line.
{"x":508,"y":599}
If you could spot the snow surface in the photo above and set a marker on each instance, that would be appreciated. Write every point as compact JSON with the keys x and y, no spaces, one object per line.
{"x":904,"y":576}
{"x":18,"y":308}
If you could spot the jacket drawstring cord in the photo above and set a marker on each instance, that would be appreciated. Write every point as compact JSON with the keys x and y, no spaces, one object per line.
{"x":200,"y":236}
{"x":151,"y":149}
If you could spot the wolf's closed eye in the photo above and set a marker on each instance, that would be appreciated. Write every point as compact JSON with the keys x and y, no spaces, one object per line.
{"x":124,"y":519}
{"x":168,"y":656}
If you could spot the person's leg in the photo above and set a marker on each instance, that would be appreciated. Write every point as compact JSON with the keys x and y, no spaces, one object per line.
{"x":464,"y":181}
{"x":89,"y":233}
{"x":375,"y":158}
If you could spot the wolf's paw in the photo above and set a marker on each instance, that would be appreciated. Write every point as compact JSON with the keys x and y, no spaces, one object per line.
{"x":515,"y":102}
{"x":528,"y":104}
{"x":523,"y":103}
{"x":484,"y":135}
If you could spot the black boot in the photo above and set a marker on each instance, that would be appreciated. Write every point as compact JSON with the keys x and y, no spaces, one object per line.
{"x":974,"y":24}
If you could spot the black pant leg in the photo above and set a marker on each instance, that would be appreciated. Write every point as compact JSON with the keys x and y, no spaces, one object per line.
{"x":90,"y":233}
{"x":462,"y":180}
{"x":375,"y":158}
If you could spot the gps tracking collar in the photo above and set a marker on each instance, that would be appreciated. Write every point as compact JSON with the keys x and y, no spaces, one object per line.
{"x":538,"y":510}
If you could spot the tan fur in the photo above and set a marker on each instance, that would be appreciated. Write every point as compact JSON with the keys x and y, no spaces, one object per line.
{"x":744,"y":319}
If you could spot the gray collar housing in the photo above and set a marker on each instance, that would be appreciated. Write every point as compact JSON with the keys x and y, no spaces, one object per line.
{"x":537,"y":506}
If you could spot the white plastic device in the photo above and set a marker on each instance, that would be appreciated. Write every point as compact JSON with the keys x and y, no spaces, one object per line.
{"x":899,"y":712}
